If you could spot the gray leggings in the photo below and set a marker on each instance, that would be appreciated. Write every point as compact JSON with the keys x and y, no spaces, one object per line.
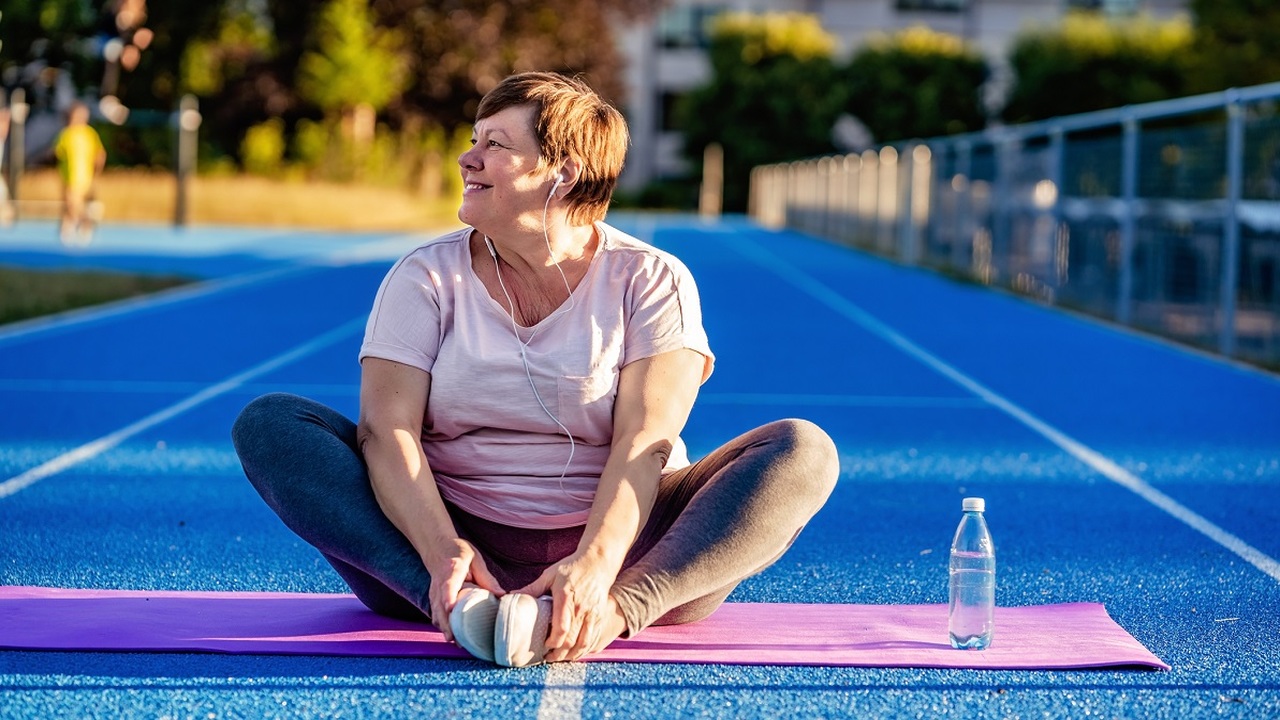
{"x":714,"y":524}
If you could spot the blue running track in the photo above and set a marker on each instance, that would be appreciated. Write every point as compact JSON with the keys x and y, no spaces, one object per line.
{"x":1117,"y":469}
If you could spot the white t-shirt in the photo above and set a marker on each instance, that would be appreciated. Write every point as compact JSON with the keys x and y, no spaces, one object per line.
{"x":492,"y":447}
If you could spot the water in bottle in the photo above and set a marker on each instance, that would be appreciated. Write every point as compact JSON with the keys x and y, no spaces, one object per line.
{"x":971,"y":621}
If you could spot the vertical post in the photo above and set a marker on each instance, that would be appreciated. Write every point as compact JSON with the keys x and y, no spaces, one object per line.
{"x":853,"y":166}
{"x":921,"y":201}
{"x":868,"y":198}
{"x":1231,"y":223}
{"x":18,"y":110}
{"x":962,"y":183}
{"x":188,"y":123}
{"x":711,"y":193}
{"x":887,"y":199}
{"x":1002,"y":215}
{"x":1129,"y":220}
{"x":1057,"y":175}
{"x":904,"y":228}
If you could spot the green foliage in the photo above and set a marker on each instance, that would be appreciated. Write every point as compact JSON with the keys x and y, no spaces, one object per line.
{"x":353,"y":62}
{"x":916,"y":84}
{"x":54,"y":29}
{"x":422,"y":158}
{"x":243,"y":37}
{"x":1091,"y":62}
{"x":772,"y":96}
{"x":262,"y":150}
{"x":133,"y":146}
{"x":1237,"y":43}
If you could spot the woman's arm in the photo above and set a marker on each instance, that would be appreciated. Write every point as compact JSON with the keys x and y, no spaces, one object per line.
{"x":655,"y":396}
{"x":393,"y":400}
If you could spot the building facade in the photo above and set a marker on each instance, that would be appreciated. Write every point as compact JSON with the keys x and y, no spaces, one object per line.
{"x":666,"y":56}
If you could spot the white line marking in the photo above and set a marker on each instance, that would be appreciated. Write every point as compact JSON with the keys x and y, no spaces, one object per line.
{"x":903,"y":401}
{"x":97,"y":447}
{"x":563,"y":692}
{"x":1089,"y":456}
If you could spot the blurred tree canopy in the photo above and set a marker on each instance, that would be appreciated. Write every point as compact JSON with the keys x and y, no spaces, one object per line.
{"x":354,"y":63}
{"x":422,"y":64}
{"x":916,"y":84}
{"x":773,"y":96}
{"x":1092,"y":62}
{"x":452,"y":51}
{"x":1237,"y":43}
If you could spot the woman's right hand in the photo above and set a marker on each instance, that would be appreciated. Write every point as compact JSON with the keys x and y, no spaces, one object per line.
{"x":460,"y":563}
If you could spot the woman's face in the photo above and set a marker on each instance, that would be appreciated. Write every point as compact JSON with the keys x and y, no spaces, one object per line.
{"x":502,"y":186}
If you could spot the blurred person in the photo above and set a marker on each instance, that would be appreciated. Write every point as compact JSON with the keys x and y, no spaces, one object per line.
{"x":516,"y":474}
{"x":81,"y":158}
{"x":6,"y":202}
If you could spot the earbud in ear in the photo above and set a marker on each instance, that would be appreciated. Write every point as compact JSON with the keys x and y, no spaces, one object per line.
{"x":555,"y":185}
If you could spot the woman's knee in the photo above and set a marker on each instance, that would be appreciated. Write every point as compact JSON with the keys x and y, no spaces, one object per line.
{"x":809,"y":452}
{"x":261,"y":419}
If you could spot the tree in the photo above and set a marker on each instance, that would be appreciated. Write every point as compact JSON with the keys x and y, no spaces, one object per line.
{"x":49,"y":32}
{"x":459,"y":49}
{"x":1237,"y":43}
{"x":916,"y":84}
{"x":772,"y":96}
{"x":1092,"y":62}
{"x":354,"y":69}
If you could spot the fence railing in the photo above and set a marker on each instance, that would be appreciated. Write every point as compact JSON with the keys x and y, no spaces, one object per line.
{"x":1164,"y":216}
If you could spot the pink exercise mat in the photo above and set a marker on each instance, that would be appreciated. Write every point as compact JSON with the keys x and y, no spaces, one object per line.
{"x":1040,"y":637}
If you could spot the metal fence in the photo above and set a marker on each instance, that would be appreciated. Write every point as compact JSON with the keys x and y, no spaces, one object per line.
{"x":1164,"y":217}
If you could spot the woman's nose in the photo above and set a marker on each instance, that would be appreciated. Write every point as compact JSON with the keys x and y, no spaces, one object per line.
{"x":467,"y":160}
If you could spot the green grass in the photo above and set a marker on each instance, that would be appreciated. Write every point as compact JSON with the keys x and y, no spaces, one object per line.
{"x":26,"y":293}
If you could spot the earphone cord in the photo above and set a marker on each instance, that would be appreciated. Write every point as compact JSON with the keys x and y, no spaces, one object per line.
{"x":525,"y":343}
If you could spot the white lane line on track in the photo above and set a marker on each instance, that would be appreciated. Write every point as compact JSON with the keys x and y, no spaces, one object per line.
{"x":792,"y":399}
{"x":815,"y":289}
{"x":94,"y":448}
{"x":563,"y":691}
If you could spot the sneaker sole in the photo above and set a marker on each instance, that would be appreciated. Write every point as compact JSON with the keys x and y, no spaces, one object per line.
{"x":519,"y":616}
{"x":472,"y":623}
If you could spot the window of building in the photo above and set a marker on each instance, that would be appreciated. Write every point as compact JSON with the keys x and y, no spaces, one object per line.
{"x":686,"y":26}
{"x":933,"y":5}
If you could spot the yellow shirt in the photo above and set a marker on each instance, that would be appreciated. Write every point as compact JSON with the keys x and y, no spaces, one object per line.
{"x":78,"y":148}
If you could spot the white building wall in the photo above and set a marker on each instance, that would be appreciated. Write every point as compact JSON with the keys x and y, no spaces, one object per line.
{"x":654,"y":71}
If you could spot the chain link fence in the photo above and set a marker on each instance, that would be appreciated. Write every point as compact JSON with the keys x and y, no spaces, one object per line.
{"x":1164,"y":217}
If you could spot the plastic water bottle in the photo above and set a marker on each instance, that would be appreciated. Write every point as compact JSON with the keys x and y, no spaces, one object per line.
{"x":971,"y":619}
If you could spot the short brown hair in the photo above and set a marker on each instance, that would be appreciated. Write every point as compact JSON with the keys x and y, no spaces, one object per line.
{"x":570,"y":121}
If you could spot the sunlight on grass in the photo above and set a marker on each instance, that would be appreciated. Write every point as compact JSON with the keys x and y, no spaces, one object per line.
{"x":140,"y":196}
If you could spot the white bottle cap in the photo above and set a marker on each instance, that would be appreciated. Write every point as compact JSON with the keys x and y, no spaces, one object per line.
{"x":974,"y":505}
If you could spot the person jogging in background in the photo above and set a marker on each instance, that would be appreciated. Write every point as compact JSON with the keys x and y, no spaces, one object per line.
{"x":6,"y":207}
{"x":81,"y":157}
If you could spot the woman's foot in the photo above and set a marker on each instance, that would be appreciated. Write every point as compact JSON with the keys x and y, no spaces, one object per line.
{"x":472,"y":621}
{"x":521,"y":629}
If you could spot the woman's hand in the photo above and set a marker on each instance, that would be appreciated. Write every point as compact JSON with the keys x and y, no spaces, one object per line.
{"x":584,"y":619}
{"x":458,"y":564}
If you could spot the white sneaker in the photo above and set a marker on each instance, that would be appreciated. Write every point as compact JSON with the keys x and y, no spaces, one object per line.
{"x":472,"y":621}
{"x":521,"y":629}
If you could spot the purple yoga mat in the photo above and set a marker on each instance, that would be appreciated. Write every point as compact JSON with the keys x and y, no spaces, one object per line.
{"x":1042,"y":637}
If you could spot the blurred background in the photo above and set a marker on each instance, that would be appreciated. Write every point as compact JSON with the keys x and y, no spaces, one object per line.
{"x":381,"y":92}
{"x":937,"y":132}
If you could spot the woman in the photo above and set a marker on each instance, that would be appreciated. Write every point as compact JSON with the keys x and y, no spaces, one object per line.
{"x":516,"y":475}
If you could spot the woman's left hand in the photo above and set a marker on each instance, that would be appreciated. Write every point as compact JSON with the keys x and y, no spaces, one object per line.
{"x":580,"y":624}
